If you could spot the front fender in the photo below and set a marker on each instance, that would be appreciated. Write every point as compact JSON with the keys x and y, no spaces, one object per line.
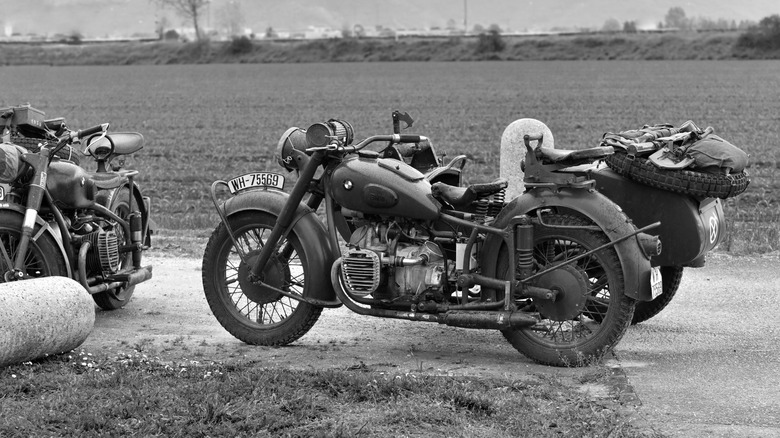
{"x":596,"y":207}
{"x":309,"y":230}
{"x":43,"y":227}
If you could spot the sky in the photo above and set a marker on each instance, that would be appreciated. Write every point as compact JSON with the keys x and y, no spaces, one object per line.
{"x":127,"y":17}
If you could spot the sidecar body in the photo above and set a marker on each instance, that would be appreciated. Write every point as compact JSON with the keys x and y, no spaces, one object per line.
{"x":690,"y":227}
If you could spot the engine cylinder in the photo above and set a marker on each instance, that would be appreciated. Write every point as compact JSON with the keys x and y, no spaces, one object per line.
{"x":104,"y":256}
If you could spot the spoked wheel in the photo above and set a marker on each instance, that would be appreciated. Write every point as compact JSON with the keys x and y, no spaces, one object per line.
{"x":253,"y":313}
{"x":119,"y":297}
{"x":44,"y":258}
{"x":670,"y":282}
{"x":591,"y":312}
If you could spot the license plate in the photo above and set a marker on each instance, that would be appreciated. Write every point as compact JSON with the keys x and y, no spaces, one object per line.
{"x":253,"y":180}
{"x":656,"y":284}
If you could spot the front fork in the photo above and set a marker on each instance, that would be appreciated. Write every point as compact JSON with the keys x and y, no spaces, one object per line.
{"x":39,"y":163}
{"x":283,"y":221}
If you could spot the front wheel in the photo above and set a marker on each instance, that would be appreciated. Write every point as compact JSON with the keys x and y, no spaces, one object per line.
{"x":252,"y":313}
{"x":43,"y":259}
{"x":591,"y":312}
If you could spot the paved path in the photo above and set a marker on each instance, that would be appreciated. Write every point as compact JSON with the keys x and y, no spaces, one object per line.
{"x":709,"y":364}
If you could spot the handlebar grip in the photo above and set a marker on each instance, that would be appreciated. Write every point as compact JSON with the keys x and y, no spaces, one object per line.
{"x":408,"y":138}
{"x":93,"y":130}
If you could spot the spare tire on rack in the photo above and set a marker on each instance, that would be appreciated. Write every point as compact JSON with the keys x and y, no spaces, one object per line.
{"x":694,"y":183}
{"x":33,"y":145}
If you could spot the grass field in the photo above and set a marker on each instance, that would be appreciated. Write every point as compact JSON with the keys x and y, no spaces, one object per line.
{"x":207,"y":122}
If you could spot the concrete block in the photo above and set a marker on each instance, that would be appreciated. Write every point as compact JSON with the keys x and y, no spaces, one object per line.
{"x":513,"y":152}
{"x":43,"y":316}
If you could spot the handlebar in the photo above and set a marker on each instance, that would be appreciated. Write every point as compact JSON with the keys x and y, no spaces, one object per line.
{"x":89,"y":131}
{"x":392,"y":138}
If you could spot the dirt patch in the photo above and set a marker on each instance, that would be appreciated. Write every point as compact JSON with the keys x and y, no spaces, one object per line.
{"x":169,"y":318}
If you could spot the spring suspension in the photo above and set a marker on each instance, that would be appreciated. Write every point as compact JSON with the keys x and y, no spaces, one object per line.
{"x":481,"y":208}
{"x":497,"y":203}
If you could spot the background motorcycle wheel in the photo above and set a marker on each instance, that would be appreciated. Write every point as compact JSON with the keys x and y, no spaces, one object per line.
{"x":670,"y":277}
{"x":248,"y":312}
{"x":119,"y":297}
{"x":44,"y":258}
{"x":587,"y":320}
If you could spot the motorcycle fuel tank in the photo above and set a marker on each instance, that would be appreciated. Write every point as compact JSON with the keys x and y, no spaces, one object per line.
{"x":70,"y":186}
{"x":383,"y":186}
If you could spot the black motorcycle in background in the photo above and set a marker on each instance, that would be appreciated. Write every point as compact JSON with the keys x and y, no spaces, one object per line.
{"x":58,"y":219}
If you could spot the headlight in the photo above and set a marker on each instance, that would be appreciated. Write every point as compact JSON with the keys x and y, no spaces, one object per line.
{"x":292,"y":139}
{"x":322,"y":134}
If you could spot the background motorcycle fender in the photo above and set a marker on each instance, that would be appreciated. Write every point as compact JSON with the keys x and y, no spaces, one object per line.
{"x":598,"y":208}
{"x":312,"y":233}
{"x":42,"y":227}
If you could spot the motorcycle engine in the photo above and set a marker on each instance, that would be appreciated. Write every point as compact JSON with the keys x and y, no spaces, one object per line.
{"x":103,"y":256}
{"x":379,"y":264}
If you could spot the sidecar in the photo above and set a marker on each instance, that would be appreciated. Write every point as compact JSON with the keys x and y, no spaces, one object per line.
{"x":691,"y":225}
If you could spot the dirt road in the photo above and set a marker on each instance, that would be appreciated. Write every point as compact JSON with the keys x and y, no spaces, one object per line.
{"x":706,"y":366}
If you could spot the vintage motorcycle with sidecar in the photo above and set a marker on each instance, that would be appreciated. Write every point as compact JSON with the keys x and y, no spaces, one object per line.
{"x":557,"y":270}
{"x":58,"y":219}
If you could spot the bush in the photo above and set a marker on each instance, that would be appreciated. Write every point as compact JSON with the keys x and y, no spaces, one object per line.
{"x":240,"y":46}
{"x":764,"y":37}
{"x":490,"y":42}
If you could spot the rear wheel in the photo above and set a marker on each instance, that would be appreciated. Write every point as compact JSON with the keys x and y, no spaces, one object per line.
{"x":119,"y":297}
{"x":252,"y":313}
{"x":670,"y":279}
{"x":591,"y":312}
{"x":44,"y":258}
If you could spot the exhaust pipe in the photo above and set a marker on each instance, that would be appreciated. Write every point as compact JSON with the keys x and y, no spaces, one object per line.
{"x":487,"y":320}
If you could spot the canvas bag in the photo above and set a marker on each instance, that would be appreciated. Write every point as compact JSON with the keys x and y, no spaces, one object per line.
{"x":708,"y":153}
{"x":713,"y":154}
{"x":11,"y":164}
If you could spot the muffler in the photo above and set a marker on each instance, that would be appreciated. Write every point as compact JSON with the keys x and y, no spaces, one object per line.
{"x":487,"y":320}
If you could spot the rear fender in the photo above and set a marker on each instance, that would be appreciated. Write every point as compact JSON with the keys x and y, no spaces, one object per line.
{"x":143,"y":204}
{"x":311,"y":233}
{"x":598,"y":208}
{"x":42,"y":227}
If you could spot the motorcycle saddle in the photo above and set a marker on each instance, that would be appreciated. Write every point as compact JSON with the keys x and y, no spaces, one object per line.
{"x":116,"y":143}
{"x":463,"y":196}
{"x":574,"y":156}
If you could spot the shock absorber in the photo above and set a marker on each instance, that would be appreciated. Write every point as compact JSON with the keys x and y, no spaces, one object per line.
{"x":524,"y":247}
{"x":136,"y":225}
{"x":136,"y":237}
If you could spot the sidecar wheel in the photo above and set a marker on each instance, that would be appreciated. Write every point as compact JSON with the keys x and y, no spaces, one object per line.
{"x":119,"y":297}
{"x":591,"y":314}
{"x":44,"y":258}
{"x":249,"y":312}
{"x":670,"y":278}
